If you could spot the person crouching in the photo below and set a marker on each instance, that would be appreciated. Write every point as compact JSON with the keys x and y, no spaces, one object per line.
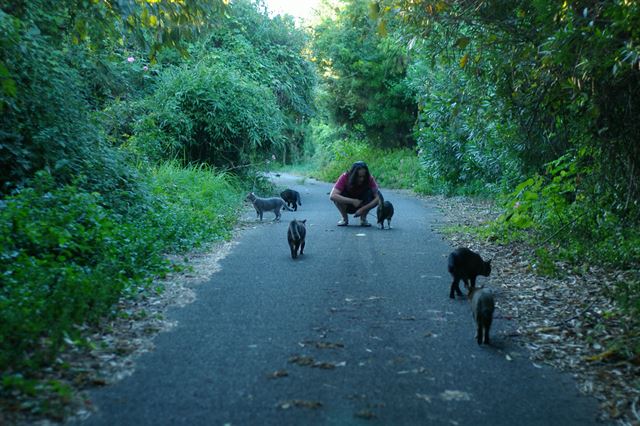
{"x":355,"y":192}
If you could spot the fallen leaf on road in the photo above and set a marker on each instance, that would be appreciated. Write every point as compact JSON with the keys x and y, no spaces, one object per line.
{"x":365,"y":414}
{"x":278,"y":374}
{"x":602,"y":356}
{"x":453,"y":395}
{"x":324,"y":365}
{"x":329,"y":345}
{"x":414,"y":371}
{"x":423,"y":397}
{"x":301,"y":360}
{"x":300,"y":403}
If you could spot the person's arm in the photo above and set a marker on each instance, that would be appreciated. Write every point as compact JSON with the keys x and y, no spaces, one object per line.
{"x":369,"y":206}
{"x":336,"y":195}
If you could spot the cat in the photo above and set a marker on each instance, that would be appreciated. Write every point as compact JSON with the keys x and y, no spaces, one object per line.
{"x":296,"y":235}
{"x":384,"y":211}
{"x":292,"y":198}
{"x":482,"y":306}
{"x":466,"y":265}
{"x":267,"y":204}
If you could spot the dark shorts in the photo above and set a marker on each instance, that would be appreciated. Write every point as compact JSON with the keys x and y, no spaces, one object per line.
{"x":366,"y":198}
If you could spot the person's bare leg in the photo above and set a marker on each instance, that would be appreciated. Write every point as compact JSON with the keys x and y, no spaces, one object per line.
{"x":342,"y":208}
{"x":363,"y":216}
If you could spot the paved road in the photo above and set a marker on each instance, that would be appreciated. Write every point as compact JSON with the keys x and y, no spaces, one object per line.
{"x":372,"y":304}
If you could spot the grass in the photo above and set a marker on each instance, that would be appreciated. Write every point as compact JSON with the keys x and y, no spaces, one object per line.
{"x":198,"y":204}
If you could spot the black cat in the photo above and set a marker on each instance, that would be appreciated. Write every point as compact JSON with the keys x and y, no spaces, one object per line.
{"x":466,"y":265}
{"x":384,"y":211}
{"x":292,"y":198}
{"x":296,"y":235}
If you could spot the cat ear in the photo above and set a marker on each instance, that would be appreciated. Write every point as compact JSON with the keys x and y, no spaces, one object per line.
{"x":304,"y":221}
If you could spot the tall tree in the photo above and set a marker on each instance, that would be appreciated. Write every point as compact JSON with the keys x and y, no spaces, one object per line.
{"x":565,"y":72}
{"x":363,"y":72}
{"x":245,"y":92}
{"x":56,"y":57}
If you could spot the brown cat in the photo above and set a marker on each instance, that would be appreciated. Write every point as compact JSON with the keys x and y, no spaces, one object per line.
{"x":482,"y":306}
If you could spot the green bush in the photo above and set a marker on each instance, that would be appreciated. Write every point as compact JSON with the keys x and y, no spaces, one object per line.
{"x":467,"y":147}
{"x":61,"y":265}
{"x":556,"y":209}
{"x":193,"y":205}
{"x":66,"y":259}
{"x":46,"y":119}
{"x":268,"y":51}
{"x":209,"y":113}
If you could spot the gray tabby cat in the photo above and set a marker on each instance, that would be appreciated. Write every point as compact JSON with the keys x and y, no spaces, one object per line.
{"x":267,"y":204}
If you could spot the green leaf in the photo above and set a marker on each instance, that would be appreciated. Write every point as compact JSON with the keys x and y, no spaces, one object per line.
{"x":523,"y":185}
{"x":9,"y":87}
{"x":462,"y":42}
{"x":464,"y":60}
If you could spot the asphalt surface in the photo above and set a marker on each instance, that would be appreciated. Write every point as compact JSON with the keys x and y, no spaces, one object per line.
{"x":371,"y":303}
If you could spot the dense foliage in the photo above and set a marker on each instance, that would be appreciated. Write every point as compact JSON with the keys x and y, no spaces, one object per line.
{"x":67,"y":258}
{"x":245,"y":92}
{"x":529,"y":83}
{"x":209,"y":113}
{"x":95,"y":99}
{"x":62,"y":61}
{"x":364,"y":77}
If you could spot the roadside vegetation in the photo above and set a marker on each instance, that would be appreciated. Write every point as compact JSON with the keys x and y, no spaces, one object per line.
{"x":121,"y":145}
{"x":131,"y":131}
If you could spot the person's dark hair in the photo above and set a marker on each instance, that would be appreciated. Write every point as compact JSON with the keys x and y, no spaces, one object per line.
{"x":353,"y":173}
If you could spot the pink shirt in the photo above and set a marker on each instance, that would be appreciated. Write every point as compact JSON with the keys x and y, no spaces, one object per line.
{"x":343,"y":182}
